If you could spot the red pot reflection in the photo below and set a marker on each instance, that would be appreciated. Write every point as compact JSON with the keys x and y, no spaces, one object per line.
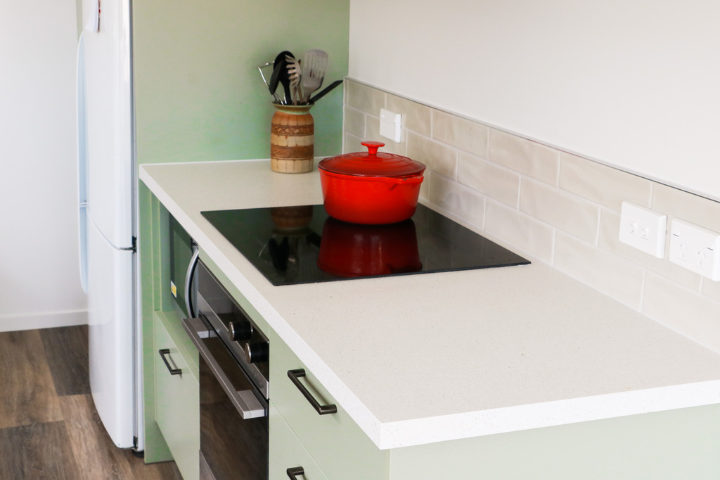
{"x":354,"y":250}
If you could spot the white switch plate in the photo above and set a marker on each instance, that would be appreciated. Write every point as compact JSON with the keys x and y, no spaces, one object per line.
{"x":695,"y":248}
{"x":643,"y":229}
{"x":391,"y":125}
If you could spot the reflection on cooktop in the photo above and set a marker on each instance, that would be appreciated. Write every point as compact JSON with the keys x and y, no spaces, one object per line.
{"x":295,"y":245}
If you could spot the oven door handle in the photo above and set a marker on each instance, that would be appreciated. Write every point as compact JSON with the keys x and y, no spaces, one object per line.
{"x":244,"y":400}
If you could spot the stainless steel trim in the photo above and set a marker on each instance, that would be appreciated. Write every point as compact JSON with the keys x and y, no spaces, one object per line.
{"x":188,"y":280}
{"x":245,"y":401}
{"x":200,"y":328}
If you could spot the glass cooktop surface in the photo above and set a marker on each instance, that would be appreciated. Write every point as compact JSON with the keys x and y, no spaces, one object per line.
{"x":296,"y":245}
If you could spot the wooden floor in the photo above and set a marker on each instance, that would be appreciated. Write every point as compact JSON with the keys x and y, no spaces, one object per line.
{"x":49,"y":428}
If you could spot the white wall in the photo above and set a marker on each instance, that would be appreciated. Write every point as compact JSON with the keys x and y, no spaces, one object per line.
{"x":39,"y":279}
{"x":631,"y":83}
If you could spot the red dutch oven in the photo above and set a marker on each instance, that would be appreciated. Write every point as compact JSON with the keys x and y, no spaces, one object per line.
{"x":352,"y":250}
{"x":369,"y":187}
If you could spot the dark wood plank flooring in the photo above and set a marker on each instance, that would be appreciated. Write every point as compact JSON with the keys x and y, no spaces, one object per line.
{"x":49,"y":428}
{"x":66,"y":350}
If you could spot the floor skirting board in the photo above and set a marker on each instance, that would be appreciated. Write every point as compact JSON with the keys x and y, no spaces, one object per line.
{"x":31,"y":321}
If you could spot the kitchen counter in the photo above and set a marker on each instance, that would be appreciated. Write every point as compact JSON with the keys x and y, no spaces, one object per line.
{"x":426,"y":358}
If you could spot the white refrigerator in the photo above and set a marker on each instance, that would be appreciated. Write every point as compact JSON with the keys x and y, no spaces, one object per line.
{"x":106,"y":179}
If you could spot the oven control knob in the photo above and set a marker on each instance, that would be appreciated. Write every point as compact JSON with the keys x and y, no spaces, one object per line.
{"x":240,"y":330}
{"x":256,"y":352}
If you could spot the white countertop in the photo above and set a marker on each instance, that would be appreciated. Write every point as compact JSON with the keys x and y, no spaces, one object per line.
{"x":425,"y":358}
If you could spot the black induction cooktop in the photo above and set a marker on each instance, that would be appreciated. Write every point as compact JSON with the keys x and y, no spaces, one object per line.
{"x":302,"y":244}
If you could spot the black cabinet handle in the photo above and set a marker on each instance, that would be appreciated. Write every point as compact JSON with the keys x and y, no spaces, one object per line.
{"x":295,"y":376}
{"x":173,"y":371}
{"x":294,"y":472}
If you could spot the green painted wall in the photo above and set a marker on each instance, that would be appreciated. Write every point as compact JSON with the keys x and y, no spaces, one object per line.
{"x":198,"y":94}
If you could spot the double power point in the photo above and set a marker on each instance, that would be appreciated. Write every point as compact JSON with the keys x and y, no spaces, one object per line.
{"x":691,"y":246}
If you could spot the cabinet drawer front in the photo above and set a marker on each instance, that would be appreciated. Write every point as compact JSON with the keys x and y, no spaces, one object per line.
{"x":177,"y":404}
{"x":335,"y":441}
{"x":286,"y":451}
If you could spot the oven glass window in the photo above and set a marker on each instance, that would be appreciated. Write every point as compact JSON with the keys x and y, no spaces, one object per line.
{"x":234,"y":449}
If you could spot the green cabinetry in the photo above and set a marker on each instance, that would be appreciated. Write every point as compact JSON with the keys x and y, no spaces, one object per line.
{"x":176,"y":399}
{"x":286,"y":451}
{"x":336,"y":442}
{"x":171,"y":402}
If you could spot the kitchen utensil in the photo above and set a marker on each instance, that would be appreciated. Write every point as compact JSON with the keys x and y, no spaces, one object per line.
{"x":285,"y":79}
{"x":352,"y":250}
{"x":294,"y":73}
{"x":370,"y":187}
{"x":325,"y":91}
{"x":314,"y":65}
{"x":269,"y":64}
{"x":280,"y":75}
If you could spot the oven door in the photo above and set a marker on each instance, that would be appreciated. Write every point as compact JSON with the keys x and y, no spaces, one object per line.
{"x":233,"y":414}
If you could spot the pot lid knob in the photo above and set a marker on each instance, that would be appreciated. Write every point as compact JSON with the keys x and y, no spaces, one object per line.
{"x":373,"y":147}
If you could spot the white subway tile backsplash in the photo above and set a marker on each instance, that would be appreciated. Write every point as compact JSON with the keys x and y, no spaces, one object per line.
{"x":418,"y":118}
{"x":683,"y":310}
{"x":558,"y":208}
{"x":601,"y":184}
{"x":437,"y":157}
{"x":524,"y":156}
{"x":678,"y":204}
{"x":362,"y":97}
{"x":489,"y":179}
{"x":570,"y":214}
{"x":520,"y":230}
{"x":460,"y":133}
{"x":372,"y":133}
{"x":352,"y":144}
{"x":458,"y":199}
{"x":603,"y":271}
{"x":355,"y":122}
{"x":609,"y":241}
{"x":711,"y":289}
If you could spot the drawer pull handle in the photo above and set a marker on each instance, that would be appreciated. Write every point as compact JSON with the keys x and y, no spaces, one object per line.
{"x":294,"y":472}
{"x":295,"y":376}
{"x":173,"y":371}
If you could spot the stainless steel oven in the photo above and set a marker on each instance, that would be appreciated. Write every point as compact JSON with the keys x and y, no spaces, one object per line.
{"x":234,"y":373}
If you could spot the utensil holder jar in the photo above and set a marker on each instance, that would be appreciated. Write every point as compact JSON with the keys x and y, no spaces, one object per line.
{"x":292,"y":139}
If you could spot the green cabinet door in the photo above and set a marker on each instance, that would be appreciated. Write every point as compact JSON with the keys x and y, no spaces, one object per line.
{"x":286,"y":452}
{"x":177,"y":402}
{"x":338,"y":445}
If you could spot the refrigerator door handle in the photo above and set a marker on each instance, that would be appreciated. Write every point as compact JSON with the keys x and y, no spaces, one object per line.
{"x":82,"y":163}
{"x":188,"y":280}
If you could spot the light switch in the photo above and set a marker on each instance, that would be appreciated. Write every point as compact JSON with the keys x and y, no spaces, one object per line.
{"x":391,"y":125}
{"x":695,"y":248}
{"x":643,"y":229}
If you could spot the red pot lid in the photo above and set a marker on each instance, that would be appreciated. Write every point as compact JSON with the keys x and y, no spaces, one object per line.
{"x":372,"y":163}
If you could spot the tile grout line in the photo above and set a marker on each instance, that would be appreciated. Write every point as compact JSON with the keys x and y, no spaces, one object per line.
{"x":559,"y":168}
{"x":597,"y":232}
{"x":642,"y":291}
{"x":520,"y":184}
{"x":554,"y":247}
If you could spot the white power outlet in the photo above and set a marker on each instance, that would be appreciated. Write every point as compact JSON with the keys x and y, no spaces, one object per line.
{"x":695,"y":248}
{"x":643,"y":229}
{"x":391,"y":125}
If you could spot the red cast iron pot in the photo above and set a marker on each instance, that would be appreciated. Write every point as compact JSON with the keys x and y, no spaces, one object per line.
{"x":369,"y":187}
{"x":352,"y":250}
